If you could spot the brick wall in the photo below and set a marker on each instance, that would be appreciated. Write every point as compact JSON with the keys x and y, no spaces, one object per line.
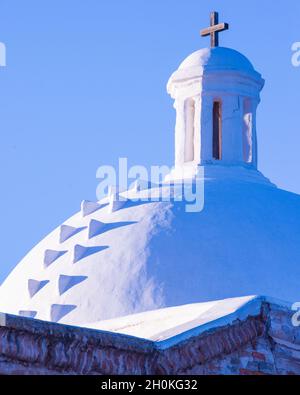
{"x":262,"y":344}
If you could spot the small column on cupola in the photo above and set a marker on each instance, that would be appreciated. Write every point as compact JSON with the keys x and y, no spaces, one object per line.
{"x":216,"y":92}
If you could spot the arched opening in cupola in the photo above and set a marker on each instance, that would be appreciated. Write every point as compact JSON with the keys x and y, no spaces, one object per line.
{"x":189,"y":146}
{"x":217,"y":130}
{"x":247,"y":132}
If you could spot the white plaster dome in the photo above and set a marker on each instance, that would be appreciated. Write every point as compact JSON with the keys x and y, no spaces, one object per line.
{"x":217,"y":58}
{"x":107,"y":262}
{"x":212,"y":60}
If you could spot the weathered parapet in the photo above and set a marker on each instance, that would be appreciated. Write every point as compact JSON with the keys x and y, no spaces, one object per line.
{"x":264,"y":343}
{"x":210,"y":346}
{"x":284,"y":338}
{"x":28,"y":345}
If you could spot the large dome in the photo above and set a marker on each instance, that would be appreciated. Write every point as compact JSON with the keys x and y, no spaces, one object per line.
{"x":103,"y":263}
{"x":119,"y":258}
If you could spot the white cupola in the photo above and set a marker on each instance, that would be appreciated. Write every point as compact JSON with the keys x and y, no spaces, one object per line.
{"x":216,"y":92}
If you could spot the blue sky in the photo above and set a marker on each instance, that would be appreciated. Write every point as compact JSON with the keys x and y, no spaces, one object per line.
{"x":85,"y":84}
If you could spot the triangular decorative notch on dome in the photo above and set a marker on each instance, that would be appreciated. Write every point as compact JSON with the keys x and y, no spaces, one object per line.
{"x":66,"y":232}
{"x":51,"y":256}
{"x":81,"y":252}
{"x":140,"y":185}
{"x":58,"y":311}
{"x":28,"y":313}
{"x":34,"y":286}
{"x":96,"y":228}
{"x":88,"y":207}
{"x":67,"y":282}
{"x":116,"y":201}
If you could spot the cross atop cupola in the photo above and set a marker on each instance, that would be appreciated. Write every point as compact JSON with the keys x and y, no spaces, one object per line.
{"x":214,"y":29}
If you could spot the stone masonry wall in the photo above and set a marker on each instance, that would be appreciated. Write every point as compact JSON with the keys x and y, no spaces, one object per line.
{"x":275,"y":352}
{"x":263,"y":344}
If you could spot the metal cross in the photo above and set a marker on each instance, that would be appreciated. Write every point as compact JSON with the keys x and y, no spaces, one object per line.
{"x":214,"y":29}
